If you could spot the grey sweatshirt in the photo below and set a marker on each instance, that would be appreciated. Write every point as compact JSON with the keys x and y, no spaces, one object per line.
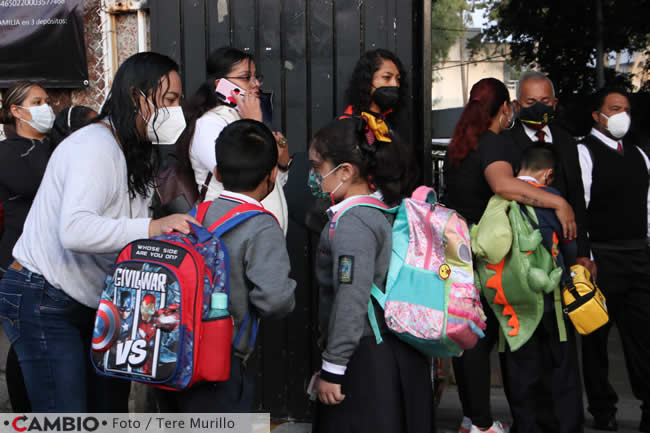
{"x":259,"y":270}
{"x":346,"y":270}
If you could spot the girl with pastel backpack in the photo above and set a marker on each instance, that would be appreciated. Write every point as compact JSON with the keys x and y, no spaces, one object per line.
{"x":364,"y":386}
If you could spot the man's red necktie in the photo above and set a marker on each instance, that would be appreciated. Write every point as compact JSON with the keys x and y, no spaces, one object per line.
{"x":540,"y":136}
{"x":620,"y":147}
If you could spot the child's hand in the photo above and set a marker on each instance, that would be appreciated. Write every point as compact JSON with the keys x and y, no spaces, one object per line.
{"x":329,"y":393}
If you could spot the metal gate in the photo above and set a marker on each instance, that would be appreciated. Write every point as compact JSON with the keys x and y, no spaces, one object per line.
{"x":306,"y":50}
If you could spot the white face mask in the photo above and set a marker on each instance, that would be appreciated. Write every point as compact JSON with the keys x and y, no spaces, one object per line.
{"x":618,"y":124}
{"x":168,"y":125}
{"x":42,"y":118}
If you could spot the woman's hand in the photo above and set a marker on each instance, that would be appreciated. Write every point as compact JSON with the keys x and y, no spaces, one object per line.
{"x":176,"y":222}
{"x":249,"y":106}
{"x":283,"y":149}
{"x":329,"y":393}
{"x":567,"y":218}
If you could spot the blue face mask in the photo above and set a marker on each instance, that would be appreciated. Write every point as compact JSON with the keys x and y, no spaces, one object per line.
{"x":315,"y":184}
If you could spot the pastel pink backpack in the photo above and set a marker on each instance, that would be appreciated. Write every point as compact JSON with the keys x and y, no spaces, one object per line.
{"x":430,"y":301}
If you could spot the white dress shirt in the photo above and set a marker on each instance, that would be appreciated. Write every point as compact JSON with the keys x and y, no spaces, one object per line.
{"x":530,"y":132}
{"x":587,"y":165}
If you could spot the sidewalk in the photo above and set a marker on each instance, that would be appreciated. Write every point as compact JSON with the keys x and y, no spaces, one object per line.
{"x":449,"y":413}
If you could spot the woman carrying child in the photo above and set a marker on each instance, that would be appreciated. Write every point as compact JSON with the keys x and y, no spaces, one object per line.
{"x":363,"y":386}
{"x":480,"y":163}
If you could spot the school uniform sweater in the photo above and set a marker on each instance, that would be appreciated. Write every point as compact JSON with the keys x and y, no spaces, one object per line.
{"x":347,"y":267}
{"x":259,"y":267}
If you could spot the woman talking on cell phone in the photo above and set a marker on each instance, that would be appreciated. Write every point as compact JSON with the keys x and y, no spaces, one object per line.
{"x":208,"y":112}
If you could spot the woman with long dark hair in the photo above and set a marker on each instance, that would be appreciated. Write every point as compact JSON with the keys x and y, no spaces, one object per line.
{"x":378,"y":89}
{"x":208,"y":114}
{"x":480,"y":163}
{"x":93,"y":200}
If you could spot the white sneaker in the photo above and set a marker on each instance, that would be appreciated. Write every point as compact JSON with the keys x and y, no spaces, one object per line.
{"x":496,"y":427}
{"x":465,"y":426}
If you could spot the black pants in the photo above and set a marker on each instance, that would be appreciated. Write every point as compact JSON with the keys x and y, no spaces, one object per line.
{"x":543,"y":382}
{"x":473,"y":374}
{"x":235,"y":395}
{"x":624,"y":278}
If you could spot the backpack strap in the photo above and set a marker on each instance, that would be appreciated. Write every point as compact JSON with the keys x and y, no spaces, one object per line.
{"x":200,"y":211}
{"x":365,"y":200}
{"x":380,"y":296}
{"x":237,"y":216}
{"x":249,"y":316}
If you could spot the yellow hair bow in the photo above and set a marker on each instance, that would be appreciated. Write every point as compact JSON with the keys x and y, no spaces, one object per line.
{"x":377,"y":126}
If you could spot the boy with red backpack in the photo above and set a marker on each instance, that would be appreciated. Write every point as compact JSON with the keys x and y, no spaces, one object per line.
{"x":259,"y":281}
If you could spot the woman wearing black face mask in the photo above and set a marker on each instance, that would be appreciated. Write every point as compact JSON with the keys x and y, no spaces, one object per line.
{"x":378,"y":89}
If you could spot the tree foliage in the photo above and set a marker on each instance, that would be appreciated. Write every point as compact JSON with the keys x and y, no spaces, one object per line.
{"x":559,"y":36}
{"x":447,"y":25}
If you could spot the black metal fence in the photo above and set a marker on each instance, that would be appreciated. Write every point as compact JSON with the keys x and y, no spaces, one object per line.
{"x":306,"y":50}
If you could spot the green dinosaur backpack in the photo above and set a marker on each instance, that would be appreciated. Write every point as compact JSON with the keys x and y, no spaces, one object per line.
{"x":515,"y":285}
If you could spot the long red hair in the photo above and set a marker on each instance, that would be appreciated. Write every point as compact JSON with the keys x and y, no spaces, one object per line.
{"x":486,"y":97}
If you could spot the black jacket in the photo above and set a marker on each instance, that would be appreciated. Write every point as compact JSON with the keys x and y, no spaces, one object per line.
{"x":568,"y":178}
{"x":22,"y":166}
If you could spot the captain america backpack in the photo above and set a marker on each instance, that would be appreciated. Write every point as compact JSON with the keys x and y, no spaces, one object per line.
{"x":152,"y":322}
{"x":430,"y":300}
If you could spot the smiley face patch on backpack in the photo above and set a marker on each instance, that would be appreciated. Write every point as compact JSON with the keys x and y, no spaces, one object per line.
{"x":346,"y":269}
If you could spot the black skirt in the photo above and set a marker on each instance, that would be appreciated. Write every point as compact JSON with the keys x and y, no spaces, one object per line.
{"x":387,"y":388}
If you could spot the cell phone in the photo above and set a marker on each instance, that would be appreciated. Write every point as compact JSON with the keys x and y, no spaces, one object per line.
{"x":224,"y":92}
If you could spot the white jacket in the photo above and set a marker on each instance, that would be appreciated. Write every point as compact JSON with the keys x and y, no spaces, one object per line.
{"x":204,"y":160}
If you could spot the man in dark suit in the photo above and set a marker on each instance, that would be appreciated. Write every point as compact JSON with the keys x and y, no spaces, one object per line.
{"x":535,"y":106}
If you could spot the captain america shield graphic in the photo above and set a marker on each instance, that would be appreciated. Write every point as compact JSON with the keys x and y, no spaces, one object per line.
{"x":107,"y":326}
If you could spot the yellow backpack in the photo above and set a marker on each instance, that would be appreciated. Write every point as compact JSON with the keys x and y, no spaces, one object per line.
{"x":584,"y":302}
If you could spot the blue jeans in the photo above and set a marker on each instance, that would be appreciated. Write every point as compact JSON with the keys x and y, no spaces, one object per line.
{"x":51,"y":333}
